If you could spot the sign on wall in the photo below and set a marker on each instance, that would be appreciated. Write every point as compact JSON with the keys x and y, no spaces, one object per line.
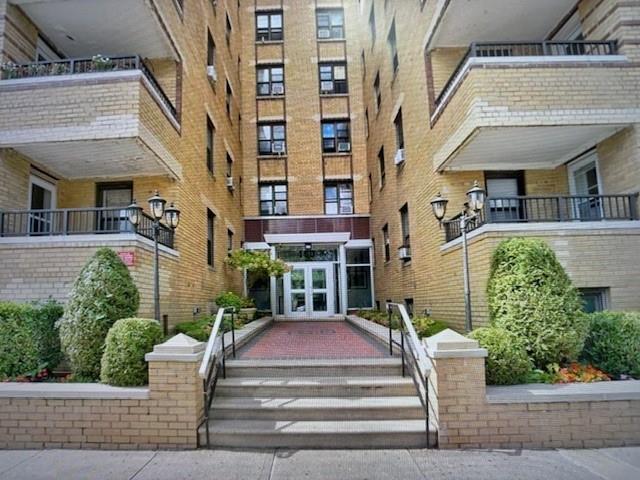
{"x":128,"y":258}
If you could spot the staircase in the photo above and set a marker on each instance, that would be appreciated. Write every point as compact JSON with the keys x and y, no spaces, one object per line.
{"x":359,"y":403}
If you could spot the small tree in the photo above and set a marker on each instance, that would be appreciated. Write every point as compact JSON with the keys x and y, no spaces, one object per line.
{"x":257,"y":262}
{"x":531,"y":296}
{"x":103,"y":293}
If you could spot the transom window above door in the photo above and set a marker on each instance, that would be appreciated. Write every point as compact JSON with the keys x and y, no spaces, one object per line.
{"x":338,"y":198}
{"x":333,"y":78}
{"x":270,"y":80}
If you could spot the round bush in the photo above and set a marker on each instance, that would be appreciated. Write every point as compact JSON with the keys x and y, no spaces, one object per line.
{"x":530,"y":295}
{"x":507,"y":360}
{"x":128,"y":341}
{"x":613,"y":342}
{"x":103,"y":293}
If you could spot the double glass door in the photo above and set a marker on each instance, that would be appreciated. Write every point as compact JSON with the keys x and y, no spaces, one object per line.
{"x":309,"y":290}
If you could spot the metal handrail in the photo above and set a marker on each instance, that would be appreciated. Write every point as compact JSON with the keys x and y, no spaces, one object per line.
{"x":213,"y":363}
{"x":420,"y":364}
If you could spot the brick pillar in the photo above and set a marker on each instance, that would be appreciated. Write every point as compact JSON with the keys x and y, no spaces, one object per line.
{"x":175,"y":391}
{"x":457,"y":387}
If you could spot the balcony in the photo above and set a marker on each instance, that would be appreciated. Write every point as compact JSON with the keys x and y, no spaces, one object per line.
{"x":549,"y":209}
{"x":89,"y":117}
{"x":78,"y":221}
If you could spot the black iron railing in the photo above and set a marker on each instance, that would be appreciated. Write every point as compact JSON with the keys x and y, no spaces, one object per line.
{"x":96,"y":64}
{"x":78,"y":221}
{"x":563,"y":208}
{"x":528,"y":49}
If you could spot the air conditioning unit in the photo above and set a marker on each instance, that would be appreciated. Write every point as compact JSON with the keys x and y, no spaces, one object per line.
{"x":278,"y":147}
{"x":324,"y":33}
{"x":404,"y":253}
{"x":277,"y":89}
{"x":399,"y":159}
{"x":211,"y":73}
{"x":326,"y":86}
{"x":344,"y":146}
{"x":230,"y":183}
{"x":346,"y":209}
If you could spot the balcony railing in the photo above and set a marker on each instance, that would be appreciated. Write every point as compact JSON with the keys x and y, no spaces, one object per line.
{"x":73,"y":66}
{"x":78,"y":221}
{"x":527,"y":209}
{"x":528,"y":49}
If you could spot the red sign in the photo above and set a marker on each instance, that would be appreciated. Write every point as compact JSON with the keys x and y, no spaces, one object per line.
{"x":128,"y":258}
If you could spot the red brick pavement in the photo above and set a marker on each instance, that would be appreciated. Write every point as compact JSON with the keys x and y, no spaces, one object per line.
{"x":306,"y":340}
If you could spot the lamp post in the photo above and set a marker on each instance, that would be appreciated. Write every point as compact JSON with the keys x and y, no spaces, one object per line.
{"x":476,"y":198}
{"x":158,"y":211}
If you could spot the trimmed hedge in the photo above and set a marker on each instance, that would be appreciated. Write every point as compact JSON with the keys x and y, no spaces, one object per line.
{"x":507,"y":360}
{"x":425,"y":326}
{"x":127,"y":342}
{"x":530,"y":295}
{"x":103,"y":293}
{"x":29,"y":341}
{"x":613,"y":342}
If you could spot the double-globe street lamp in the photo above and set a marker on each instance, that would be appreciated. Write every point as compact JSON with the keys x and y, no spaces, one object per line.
{"x":476,"y":198}
{"x":172,"y":216}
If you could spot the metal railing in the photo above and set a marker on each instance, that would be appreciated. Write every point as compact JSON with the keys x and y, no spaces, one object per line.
{"x":73,"y":66}
{"x":561,"y":208}
{"x":415,"y":361}
{"x":528,"y":49}
{"x":214,"y":363}
{"x":78,"y":221}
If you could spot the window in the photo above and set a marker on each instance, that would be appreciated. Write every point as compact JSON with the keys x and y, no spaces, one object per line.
{"x":366,"y":122}
{"x":359,"y":291}
{"x":404,"y":223}
{"x":228,"y":29}
{"x":269,"y":26}
{"x":393,"y":47}
{"x":370,"y":189}
{"x":338,"y":198}
{"x":211,"y":132}
{"x":270,"y":80}
{"x":273,"y":199}
{"x":397,"y":123}
{"x":333,"y":77}
{"x":330,"y":24}
{"x":335,"y":137}
{"x":229,"y":98}
{"x":381,"y":166}
{"x":229,"y":165}
{"x":594,"y":299}
{"x":363,"y":64}
{"x":386,"y":243}
{"x":272,"y":139}
{"x":211,"y":219}
{"x":229,"y":240}
{"x":408,"y":303}
{"x":372,"y":25}
{"x":211,"y":51}
{"x":377,"y":91}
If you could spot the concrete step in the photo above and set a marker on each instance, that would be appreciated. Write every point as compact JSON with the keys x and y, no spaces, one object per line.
{"x":385,"y":386}
{"x":316,"y":434}
{"x":360,"y":367}
{"x":318,"y":408}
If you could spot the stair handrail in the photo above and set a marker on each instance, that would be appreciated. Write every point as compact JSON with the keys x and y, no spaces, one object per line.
{"x":214,"y":362}
{"x":417,"y":354}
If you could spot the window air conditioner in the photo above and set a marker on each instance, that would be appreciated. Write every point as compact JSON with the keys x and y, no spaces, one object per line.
{"x":399,"y":158}
{"x":211,"y":73}
{"x":230,"y":183}
{"x":344,"y":147}
{"x":278,"y":147}
{"x":404,"y":253}
{"x":277,"y":89}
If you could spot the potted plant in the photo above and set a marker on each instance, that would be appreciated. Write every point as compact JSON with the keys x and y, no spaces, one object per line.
{"x":248,"y":308}
{"x":229,"y":300}
{"x":101,"y":64}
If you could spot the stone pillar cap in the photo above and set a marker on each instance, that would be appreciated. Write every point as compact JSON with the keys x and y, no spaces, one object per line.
{"x":181,"y":348}
{"x":451,"y":344}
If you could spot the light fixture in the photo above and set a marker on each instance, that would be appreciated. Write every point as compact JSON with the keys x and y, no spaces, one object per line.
{"x":439,"y":206}
{"x":156,"y":205}
{"x":308,"y":246}
{"x":172,"y":215}
{"x":476,"y":197}
{"x":134,"y":212}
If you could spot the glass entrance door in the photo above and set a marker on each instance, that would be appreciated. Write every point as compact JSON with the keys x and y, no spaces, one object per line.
{"x":309,"y":290}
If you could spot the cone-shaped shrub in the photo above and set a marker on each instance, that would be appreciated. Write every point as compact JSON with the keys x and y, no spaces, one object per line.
{"x":103,"y":293}
{"x":127,"y":342}
{"x":531,"y":296}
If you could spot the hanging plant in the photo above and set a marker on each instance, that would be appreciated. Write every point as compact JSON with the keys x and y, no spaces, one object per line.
{"x":257,"y":262}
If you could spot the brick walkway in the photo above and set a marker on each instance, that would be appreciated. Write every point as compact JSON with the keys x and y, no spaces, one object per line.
{"x":312,"y":340}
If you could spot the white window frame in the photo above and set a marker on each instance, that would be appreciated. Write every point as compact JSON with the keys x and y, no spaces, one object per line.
{"x":34,"y":180}
{"x":590,"y":157}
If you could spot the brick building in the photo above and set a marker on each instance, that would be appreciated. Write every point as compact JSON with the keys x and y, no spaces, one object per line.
{"x":319,"y":130}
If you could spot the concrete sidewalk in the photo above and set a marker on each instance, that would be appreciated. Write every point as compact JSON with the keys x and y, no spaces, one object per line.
{"x":614,"y":464}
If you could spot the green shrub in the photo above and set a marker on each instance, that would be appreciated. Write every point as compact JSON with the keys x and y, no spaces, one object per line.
{"x":229,"y":299}
{"x":427,"y":326}
{"x":199,"y":329}
{"x":507,"y":360}
{"x":127,"y":342}
{"x":530,"y":295}
{"x":613,"y":342}
{"x":248,"y":302}
{"x":28,"y":338}
{"x":103,"y":293}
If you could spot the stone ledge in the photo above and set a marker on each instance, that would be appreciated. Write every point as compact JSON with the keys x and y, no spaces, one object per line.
{"x":94,"y":391}
{"x":573,"y":392}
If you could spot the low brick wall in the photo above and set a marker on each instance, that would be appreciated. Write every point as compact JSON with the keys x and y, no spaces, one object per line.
{"x":471,"y":415}
{"x":164,"y":415}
